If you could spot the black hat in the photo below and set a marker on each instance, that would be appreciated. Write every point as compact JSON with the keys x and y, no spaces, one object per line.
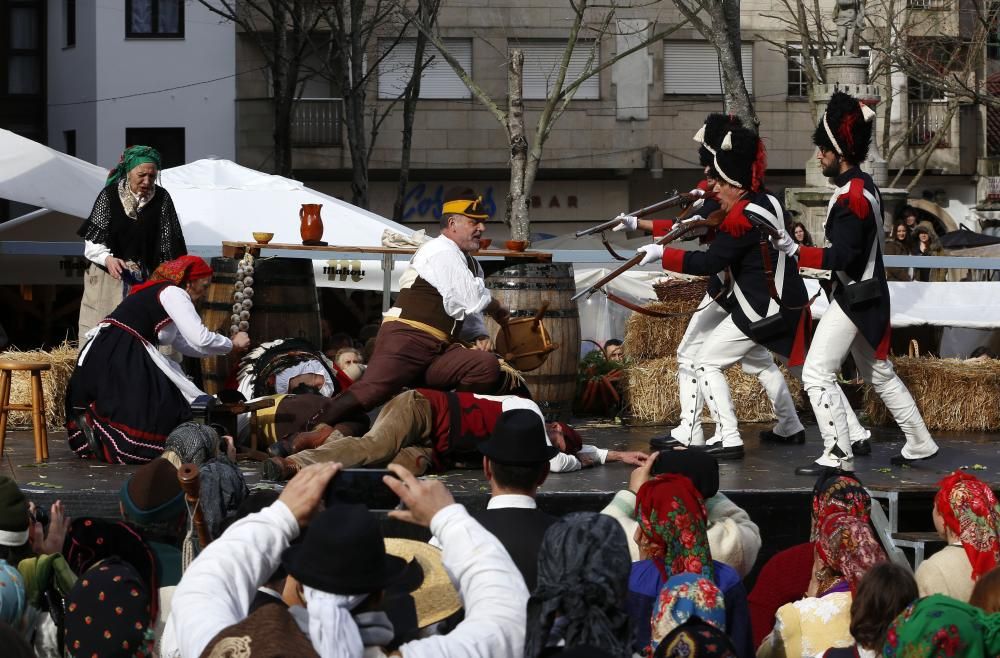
{"x":846,"y":128}
{"x":740,"y":159}
{"x":710,"y":135}
{"x":518,"y":438}
{"x":463,"y":201}
{"x":344,"y":553}
{"x":697,"y":465}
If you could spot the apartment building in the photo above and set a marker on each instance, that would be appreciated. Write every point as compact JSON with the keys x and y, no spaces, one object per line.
{"x":623,"y":142}
{"x":155,"y":72}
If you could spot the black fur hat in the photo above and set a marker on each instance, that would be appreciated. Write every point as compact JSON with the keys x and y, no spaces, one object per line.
{"x":846,"y":128}
{"x":740,"y":159}
{"x":710,"y":135}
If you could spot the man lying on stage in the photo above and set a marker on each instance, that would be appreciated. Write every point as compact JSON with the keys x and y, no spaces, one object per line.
{"x":423,"y":429}
{"x":442,"y":290}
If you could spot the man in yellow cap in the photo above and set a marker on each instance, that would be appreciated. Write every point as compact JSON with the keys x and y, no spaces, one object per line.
{"x":442,"y":298}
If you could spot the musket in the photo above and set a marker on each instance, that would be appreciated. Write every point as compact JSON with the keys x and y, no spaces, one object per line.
{"x":677,"y":231}
{"x":675,"y":199}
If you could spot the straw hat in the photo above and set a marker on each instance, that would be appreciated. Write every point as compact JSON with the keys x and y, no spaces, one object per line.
{"x":436,"y":598}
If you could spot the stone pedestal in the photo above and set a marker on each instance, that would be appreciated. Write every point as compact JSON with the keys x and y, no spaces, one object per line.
{"x":812,"y":202}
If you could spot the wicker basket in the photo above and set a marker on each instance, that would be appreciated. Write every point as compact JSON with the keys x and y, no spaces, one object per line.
{"x":682,"y":293}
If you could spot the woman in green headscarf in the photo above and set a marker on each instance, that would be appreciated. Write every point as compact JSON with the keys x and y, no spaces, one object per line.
{"x":939,"y":625}
{"x":131,"y":230}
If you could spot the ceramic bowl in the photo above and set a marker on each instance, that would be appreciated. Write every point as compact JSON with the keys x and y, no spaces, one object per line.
{"x":516,"y":245}
{"x":262,"y":238}
{"x":484,"y":243}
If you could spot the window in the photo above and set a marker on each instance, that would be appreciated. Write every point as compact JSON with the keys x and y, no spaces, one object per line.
{"x":69,"y":137}
{"x":168,"y":141}
{"x":69,"y":23}
{"x":798,"y":81}
{"x":154,"y":19}
{"x":692,"y":68}
{"x":541,"y":66}
{"x":438,"y":79}
{"x":24,"y":60}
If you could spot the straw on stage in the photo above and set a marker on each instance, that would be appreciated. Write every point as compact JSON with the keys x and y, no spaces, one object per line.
{"x":648,"y":337}
{"x":652,"y":395}
{"x":952,"y":394}
{"x":63,"y":360}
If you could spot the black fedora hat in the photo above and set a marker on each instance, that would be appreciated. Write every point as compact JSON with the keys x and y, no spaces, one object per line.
{"x":344,"y":553}
{"x":518,"y":438}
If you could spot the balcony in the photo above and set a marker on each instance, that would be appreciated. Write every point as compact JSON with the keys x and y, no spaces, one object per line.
{"x":927,"y":118}
{"x":317,"y":121}
{"x":930,"y":4}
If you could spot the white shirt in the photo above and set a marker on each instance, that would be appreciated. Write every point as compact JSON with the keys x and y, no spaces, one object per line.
{"x":442,"y":264}
{"x":509,"y":501}
{"x":186,"y":333}
{"x":218,"y":587}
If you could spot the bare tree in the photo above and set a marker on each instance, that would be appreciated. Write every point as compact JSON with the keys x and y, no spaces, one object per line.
{"x":281,"y":31}
{"x":590,"y":24}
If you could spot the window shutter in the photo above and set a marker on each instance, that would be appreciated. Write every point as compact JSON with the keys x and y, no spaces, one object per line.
{"x":692,"y":67}
{"x":438,"y":79}
{"x":541,"y":66}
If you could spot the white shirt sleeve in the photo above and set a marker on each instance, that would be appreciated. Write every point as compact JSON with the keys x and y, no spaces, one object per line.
{"x":495,"y":600}
{"x":95,"y":252}
{"x":193,"y":338}
{"x":444,"y":267}
{"x":563,"y":463}
{"x":220,"y":584}
{"x":599,"y":455}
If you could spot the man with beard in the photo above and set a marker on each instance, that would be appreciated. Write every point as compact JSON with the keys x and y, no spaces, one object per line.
{"x":858,"y":318}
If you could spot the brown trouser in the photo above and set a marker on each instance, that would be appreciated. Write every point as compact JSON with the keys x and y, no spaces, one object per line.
{"x":406,"y":356}
{"x":402,"y":434}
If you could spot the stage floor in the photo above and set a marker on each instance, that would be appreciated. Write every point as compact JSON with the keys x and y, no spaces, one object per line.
{"x":91,"y":488}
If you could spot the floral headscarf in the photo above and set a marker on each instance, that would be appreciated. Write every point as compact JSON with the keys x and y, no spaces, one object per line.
{"x":970,"y":509}
{"x":696,"y":639}
{"x":848,"y":549}
{"x":179,"y":271}
{"x":108,"y":613}
{"x":672,"y":517}
{"x":12,"y":594}
{"x":685,"y":596}
{"x":131,"y":158}
{"x":838,"y":493}
{"x":939,"y":625}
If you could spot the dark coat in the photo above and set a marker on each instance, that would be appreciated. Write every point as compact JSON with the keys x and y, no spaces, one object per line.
{"x":521,"y":532}
{"x":851,"y":228}
{"x":737,"y":245}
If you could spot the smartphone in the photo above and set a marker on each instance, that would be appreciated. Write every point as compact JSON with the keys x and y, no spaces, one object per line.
{"x":363,"y":486}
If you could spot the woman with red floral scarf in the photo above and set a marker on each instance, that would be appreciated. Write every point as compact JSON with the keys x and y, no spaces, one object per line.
{"x":672,"y":538}
{"x":124,"y":396}
{"x":967,"y":516}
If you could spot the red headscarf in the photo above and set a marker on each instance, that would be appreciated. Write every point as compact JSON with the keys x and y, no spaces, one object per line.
{"x":572,"y":438}
{"x":970,"y":509}
{"x":848,"y":547}
{"x":673,"y":518}
{"x":179,"y":271}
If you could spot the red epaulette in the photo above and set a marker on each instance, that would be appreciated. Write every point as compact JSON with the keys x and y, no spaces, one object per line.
{"x":736,"y":223}
{"x":855,"y":199}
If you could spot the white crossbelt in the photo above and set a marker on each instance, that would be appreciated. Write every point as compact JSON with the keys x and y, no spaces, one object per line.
{"x":779,"y":270}
{"x":877,"y":208}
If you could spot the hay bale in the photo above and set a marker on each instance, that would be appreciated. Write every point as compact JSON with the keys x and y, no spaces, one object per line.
{"x":54,"y":381}
{"x":651,"y":393}
{"x":649,"y":338}
{"x":951,"y":394}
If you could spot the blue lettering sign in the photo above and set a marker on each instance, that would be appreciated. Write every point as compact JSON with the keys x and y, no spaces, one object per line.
{"x":419,"y":201}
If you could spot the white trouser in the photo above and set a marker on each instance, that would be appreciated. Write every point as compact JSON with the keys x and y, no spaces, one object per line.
{"x":835,"y":336}
{"x":756,"y":361}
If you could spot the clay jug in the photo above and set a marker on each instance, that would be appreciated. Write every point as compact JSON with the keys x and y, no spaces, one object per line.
{"x":311,"y":229}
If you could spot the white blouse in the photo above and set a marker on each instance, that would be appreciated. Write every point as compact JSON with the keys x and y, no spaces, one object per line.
{"x":186,"y":333}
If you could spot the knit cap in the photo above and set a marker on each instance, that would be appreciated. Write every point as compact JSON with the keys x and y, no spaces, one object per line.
{"x":13,"y":514}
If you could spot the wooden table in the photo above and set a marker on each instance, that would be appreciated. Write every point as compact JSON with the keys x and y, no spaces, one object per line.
{"x":239,"y":249}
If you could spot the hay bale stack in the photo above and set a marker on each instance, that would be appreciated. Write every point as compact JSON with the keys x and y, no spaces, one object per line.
{"x":952,"y":394}
{"x":54,"y":381}
{"x":651,"y":338}
{"x":651,"y":392}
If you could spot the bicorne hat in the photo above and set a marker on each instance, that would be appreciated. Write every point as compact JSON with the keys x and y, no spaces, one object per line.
{"x":518,"y":438}
{"x":846,"y":128}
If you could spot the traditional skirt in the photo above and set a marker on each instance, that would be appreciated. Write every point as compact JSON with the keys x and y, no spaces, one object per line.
{"x":131,"y":404}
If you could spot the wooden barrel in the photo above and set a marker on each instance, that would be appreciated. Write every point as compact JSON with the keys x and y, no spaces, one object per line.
{"x":522,"y":288}
{"x":285,"y":305}
{"x":215,"y":310}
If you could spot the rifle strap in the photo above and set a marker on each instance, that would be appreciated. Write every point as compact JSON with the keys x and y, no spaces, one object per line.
{"x":663,"y":315}
{"x":611,"y":250}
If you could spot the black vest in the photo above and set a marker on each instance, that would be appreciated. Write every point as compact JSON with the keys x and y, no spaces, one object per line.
{"x":521,"y":532}
{"x":142,"y":311}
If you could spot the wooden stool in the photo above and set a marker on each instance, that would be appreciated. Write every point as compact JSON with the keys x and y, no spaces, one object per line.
{"x":37,"y":406}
